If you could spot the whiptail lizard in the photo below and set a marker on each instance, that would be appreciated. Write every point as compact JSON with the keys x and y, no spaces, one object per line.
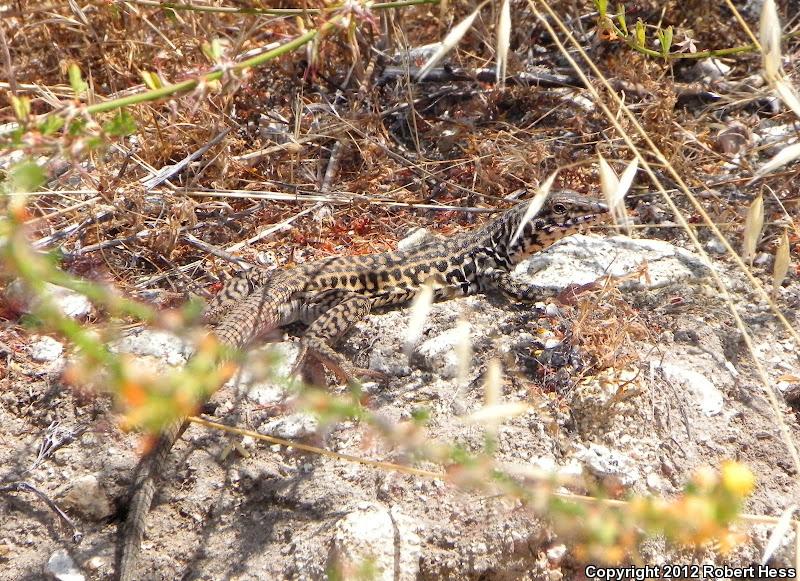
{"x":332,"y":294}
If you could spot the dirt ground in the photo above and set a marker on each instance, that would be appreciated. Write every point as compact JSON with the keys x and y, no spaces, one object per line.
{"x":274,"y":512}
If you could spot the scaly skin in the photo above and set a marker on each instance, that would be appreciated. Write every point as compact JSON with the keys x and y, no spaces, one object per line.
{"x":332,"y":294}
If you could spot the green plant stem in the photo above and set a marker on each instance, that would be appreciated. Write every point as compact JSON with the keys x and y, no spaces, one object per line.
{"x":629,"y":40}
{"x":190,"y":84}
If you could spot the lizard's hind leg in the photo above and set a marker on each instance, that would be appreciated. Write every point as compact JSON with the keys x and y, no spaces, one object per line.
{"x":344,"y":309}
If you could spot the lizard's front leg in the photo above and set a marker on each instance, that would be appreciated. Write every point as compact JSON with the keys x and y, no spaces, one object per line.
{"x":501,"y":281}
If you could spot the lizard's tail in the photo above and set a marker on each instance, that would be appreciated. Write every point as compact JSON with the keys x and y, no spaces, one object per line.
{"x":143,"y":489}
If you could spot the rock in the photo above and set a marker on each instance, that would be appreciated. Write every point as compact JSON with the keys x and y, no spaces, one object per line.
{"x":715,"y":246}
{"x":86,"y":497}
{"x":61,"y":566}
{"x":66,"y":301}
{"x":733,"y":138}
{"x":274,"y":362}
{"x":440,"y":353}
{"x":290,"y":427}
{"x":711,"y":69}
{"x":416,"y":238}
{"x":579,"y":260}
{"x":763,"y":259}
{"x":160,"y":344}
{"x":372,"y":535}
{"x":707,"y":396}
{"x":44,"y":349}
{"x":556,"y":553}
{"x":604,"y":462}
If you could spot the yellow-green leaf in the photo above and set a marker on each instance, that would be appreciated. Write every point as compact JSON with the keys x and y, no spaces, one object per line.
{"x":76,"y":79}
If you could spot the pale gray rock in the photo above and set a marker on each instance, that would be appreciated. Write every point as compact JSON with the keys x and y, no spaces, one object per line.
{"x":151,"y":343}
{"x":440,"y":353}
{"x":415,"y":239}
{"x":372,"y":534}
{"x":87,"y":497}
{"x":44,"y":349}
{"x":706,"y":395}
{"x":265,"y":378}
{"x":715,"y":246}
{"x":603,"y":462}
{"x":579,"y":260}
{"x":66,"y":301}
{"x":61,"y":566}
{"x":711,"y":69}
{"x":294,"y":426}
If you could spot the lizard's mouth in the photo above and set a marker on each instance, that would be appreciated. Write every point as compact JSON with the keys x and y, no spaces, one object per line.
{"x":579,"y":222}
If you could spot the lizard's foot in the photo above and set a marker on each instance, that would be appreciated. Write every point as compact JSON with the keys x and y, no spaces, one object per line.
{"x":316,"y":356}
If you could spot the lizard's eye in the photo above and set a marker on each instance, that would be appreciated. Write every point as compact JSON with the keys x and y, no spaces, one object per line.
{"x":559,"y":208}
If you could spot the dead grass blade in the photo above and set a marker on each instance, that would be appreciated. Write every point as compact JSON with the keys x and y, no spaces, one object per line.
{"x":615,"y":189}
{"x":753,"y":225}
{"x":783,"y":157}
{"x":450,"y":41}
{"x":535,"y":206}
{"x":782,"y":527}
{"x":770,"y":37}
{"x":495,"y":410}
{"x":503,"y":42}
{"x":782,"y":260}
{"x":420,"y":309}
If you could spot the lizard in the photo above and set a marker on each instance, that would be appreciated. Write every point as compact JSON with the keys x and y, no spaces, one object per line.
{"x":331,"y":294}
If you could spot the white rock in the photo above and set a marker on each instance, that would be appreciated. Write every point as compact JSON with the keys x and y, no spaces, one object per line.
{"x":387,"y":539}
{"x":66,"y":301}
{"x":711,"y":69}
{"x":249,"y":381}
{"x":87,"y":497}
{"x":389,"y":359}
{"x":715,"y":246}
{"x":602,"y":462}
{"x":440,"y":353}
{"x":557,"y":552}
{"x":45,"y":349}
{"x":151,"y":343}
{"x":654,"y":482}
{"x":579,"y":260}
{"x":290,"y":427}
{"x":546,"y":463}
{"x":707,"y":395}
{"x":61,"y":566}
{"x":415,"y":239}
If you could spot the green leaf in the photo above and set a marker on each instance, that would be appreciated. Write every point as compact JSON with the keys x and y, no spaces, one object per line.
{"x":665,"y":38}
{"x":214,"y":50}
{"x":24,"y":177}
{"x":76,"y":79}
{"x":602,"y":8}
{"x":420,"y":415}
{"x":623,"y":26}
{"x":76,"y":127}
{"x":641,"y":37}
{"x":152,"y":80}
{"x":22,"y":108}
{"x":122,"y":124}
{"x":51,"y":124}
{"x":94,"y":142}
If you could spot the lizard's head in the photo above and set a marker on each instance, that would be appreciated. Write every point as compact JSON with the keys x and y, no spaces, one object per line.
{"x":566,"y":212}
{"x":563,"y":213}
